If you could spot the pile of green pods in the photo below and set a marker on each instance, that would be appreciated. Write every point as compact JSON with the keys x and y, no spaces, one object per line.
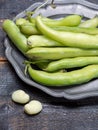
{"x":59,"y":52}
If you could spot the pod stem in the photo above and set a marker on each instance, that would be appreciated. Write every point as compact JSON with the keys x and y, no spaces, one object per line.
{"x":30,"y":13}
{"x":26,"y":68}
{"x":52,"y":4}
{"x":27,"y":63}
{"x":46,"y":1}
{"x":34,"y":62}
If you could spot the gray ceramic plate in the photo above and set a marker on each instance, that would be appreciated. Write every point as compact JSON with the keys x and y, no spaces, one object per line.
{"x":63,"y":7}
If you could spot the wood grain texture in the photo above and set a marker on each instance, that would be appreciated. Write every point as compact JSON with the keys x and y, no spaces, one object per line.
{"x":52,"y":117}
{"x":57,"y":113}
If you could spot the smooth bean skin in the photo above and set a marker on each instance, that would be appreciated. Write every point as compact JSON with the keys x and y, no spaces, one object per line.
{"x":15,"y":35}
{"x":21,"y":21}
{"x":58,"y":79}
{"x":29,"y":29}
{"x":40,"y":41}
{"x":70,"y":39}
{"x":91,"y":31}
{"x":92,"y":23}
{"x":33,"y":107}
{"x":70,"y":63}
{"x":20,"y":96}
{"x":42,"y":53}
{"x":45,"y":19}
{"x":70,"y":20}
{"x":32,"y":20}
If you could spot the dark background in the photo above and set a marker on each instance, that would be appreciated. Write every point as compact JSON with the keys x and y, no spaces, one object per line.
{"x":57,"y":114}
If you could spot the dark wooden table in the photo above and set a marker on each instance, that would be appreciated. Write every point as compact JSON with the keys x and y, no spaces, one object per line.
{"x":57,"y":114}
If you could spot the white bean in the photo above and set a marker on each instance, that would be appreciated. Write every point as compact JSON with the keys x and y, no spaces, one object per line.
{"x":33,"y":107}
{"x":20,"y":96}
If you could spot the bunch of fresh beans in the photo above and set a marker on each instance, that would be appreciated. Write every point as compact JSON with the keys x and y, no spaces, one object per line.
{"x":62,"y":52}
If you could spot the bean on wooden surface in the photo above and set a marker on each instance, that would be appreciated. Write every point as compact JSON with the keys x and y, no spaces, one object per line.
{"x":20,"y":96}
{"x":33,"y":107}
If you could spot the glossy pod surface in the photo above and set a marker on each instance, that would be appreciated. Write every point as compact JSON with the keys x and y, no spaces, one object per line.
{"x":64,"y":79}
{"x":29,"y":29}
{"x":15,"y":35}
{"x":41,"y":40}
{"x":70,"y":63}
{"x":40,"y":53}
{"x":70,"y":39}
{"x":70,"y":20}
{"x":91,"y":31}
{"x":92,"y":23}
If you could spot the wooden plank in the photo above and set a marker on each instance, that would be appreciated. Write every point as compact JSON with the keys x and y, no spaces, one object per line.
{"x":9,"y":9}
{"x":55,"y":113}
{"x":52,"y":117}
{"x":2,"y":49}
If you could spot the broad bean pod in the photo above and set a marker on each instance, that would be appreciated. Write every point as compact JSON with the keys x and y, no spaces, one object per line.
{"x":58,"y":79}
{"x":31,"y":29}
{"x":70,"y":20}
{"x":15,"y":35}
{"x":70,"y":63}
{"x":45,"y":19}
{"x":41,"y":40}
{"x":70,"y":39}
{"x":92,"y":23}
{"x":91,"y":31}
{"x":21,"y":21}
{"x":44,"y":53}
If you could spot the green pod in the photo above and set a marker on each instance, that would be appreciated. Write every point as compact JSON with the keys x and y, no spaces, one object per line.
{"x":70,"y":20}
{"x":32,"y":20}
{"x":70,"y":63}
{"x":41,"y":64}
{"x":44,"y":53}
{"x":91,"y":23}
{"x":58,"y":79}
{"x":45,"y":19}
{"x":15,"y":35}
{"x":91,"y":31}
{"x":29,"y":29}
{"x":41,"y":40}
{"x":69,"y":39}
{"x":21,"y":21}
